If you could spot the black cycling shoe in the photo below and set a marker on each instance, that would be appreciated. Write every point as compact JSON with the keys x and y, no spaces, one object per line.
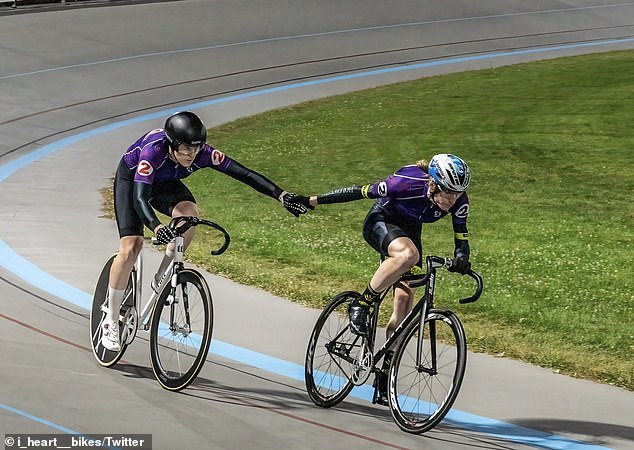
{"x":380,"y":389}
{"x":359,"y":313}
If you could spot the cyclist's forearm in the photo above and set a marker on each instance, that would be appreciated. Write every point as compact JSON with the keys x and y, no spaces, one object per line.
{"x":141,"y":202}
{"x":461,"y":240}
{"x":341,"y":195}
{"x":251,"y":178}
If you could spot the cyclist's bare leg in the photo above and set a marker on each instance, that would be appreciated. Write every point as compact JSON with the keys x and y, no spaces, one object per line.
{"x":185,"y":208}
{"x":129,"y":249}
{"x":403,"y":254}
{"x":403,"y":301}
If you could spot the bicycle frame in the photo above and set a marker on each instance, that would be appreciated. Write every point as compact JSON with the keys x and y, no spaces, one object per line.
{"x":420,"y":310}
{"x":425,"y":303}
{"x":168,"y":276}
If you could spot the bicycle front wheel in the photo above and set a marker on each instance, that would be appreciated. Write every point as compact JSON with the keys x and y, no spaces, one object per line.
{"x":422,"y":390}
{"x":180,"y":332}
{"x":331,"y":353}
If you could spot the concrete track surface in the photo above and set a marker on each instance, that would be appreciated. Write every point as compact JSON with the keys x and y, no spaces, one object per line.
{"x":79,"y":82}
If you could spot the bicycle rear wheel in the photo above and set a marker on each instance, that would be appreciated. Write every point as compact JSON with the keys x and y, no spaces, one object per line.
{"x":106,"y":357}
{"x":331,"y":353}
{"x":421,"y":395}
{"x":180,"y":332}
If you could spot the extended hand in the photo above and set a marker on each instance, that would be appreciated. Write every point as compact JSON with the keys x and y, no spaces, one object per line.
{"x":292,"y":204}
{"x":304,"y":201}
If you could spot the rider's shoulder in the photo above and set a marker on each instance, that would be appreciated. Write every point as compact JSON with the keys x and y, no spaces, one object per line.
{"x":154,"y":141}
{"x":412,"y":171}
{"x":410,"y":176}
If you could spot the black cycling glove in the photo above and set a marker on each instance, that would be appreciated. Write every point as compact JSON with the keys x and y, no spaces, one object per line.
{"x":291,"y":203}
{"x":304,"y":201}
{"x":460,"y":264}
{"x":164,"y":235}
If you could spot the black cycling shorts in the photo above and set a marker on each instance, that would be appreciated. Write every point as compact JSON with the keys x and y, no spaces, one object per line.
{"x":379,"y":231}
{"x":165,"y":196}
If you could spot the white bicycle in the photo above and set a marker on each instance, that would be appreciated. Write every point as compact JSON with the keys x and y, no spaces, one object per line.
{"x":178,"y":316}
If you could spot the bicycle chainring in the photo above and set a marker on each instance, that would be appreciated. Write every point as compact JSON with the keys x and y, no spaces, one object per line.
{"x":363,"y":363}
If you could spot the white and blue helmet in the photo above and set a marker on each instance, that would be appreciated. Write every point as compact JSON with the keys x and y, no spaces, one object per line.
{"x":449,"y":172}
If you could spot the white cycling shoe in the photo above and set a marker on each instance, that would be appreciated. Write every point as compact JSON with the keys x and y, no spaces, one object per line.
{"x":110,"y":335}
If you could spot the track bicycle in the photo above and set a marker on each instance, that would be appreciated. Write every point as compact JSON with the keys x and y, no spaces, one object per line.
{"x":430,"y":354}
{"x":178,"y":314}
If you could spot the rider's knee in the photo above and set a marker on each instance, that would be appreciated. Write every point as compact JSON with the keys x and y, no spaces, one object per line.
{"x":186,"y":208}
{"x":402,"y":304}
{"x":129,"y":249}
{"x":402,"y":296}
{"x":408,"y":256}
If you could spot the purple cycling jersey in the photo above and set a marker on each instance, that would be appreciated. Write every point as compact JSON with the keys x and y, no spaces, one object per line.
{"x":405,"y":197}
{"x":150,"y":160}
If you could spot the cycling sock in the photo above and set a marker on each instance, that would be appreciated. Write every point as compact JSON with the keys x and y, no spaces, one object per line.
{"x":115,"y":298}
{"x":369,"y":296}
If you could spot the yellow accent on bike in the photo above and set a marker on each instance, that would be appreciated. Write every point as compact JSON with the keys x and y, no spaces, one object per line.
{"x":415,"y":270}
{"x":364,"y":190}
{"x":462,"y":236}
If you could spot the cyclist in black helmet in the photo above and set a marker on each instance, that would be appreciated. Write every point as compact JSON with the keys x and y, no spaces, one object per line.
{"x":149,"y":177}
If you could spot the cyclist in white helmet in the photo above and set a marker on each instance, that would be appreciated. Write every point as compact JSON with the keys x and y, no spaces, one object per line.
{"x":420,"y":193}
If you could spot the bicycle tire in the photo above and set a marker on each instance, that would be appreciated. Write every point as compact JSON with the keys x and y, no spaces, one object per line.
{"x":108,"y":358}
{"x":178,"y":349}
{"x":419,"y":400}
{"x":327,"y":383}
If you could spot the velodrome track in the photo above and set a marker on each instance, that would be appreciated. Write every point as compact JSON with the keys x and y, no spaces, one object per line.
{"x":79,"y":82}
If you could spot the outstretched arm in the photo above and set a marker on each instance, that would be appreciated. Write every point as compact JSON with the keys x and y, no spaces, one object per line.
{"x":257,"y":181}
{"x":340,"y":195}
{"x":262,"y":184}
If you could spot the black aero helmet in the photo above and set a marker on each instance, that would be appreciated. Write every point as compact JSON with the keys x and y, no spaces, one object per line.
{"x":185,"y":128}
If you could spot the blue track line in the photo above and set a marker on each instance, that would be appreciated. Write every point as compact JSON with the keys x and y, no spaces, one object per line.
{"x":32,"y":274}
{"x":44,"y":422}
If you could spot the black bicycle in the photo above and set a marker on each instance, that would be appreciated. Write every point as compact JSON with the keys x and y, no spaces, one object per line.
{"x":430,"y":355}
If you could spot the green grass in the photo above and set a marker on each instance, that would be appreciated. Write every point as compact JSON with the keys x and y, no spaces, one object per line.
{"x":551,"y":148}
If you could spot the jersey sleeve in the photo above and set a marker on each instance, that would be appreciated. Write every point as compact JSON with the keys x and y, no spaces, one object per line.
{"x":214,"y":158}
{"x":459,"y":214}
{"x":392,"y":186}
{"x":148,"y":163}
{"x":460,"y":211}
